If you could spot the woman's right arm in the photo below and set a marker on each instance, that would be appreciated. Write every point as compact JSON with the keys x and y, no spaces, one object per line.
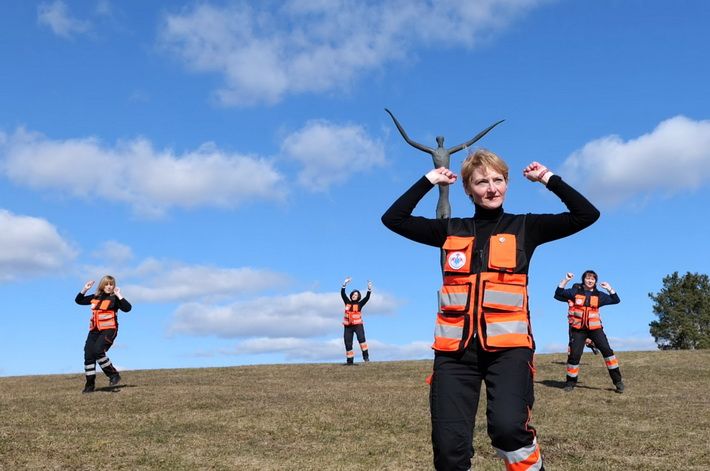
{"x":343,"y":295}
{"x":398,"y":218}
{"x":82,"y":299}
{"x":561,"y":293}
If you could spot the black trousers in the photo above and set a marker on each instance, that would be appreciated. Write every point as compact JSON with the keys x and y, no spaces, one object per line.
{"x":577,"y":339}
{"x":98,"y":342}
{"x":454,"y":394}
{"x":350,"y":330}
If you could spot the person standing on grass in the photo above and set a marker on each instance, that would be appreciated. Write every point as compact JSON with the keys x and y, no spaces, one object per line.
{"x":585,"y":323}
{"x":353,"y":322}
{"x":103,"y":328}
{"x":482,"y":331}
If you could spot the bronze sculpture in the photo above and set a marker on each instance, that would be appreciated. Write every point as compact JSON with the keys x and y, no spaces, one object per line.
{"x":441,"y":157}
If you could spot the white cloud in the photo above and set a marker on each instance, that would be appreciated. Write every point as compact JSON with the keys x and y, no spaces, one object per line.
{"x":330,"y":153}
{"x":673,"y":158}
{"x":30,"y":246}
{"x":300,"y":315}
{"x":616,"y":343}
{"x":160,"y":281}
{"x":177,"y":282}
{"x":114,"y":252}
{"x":267,"y":50}
{"x":633,"y":343}
{"x":56,"y":16}
{"x":133,"y":172}
{"x":309,"y":350}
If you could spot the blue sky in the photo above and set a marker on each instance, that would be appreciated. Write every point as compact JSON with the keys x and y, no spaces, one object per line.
{"x":229,"y":163}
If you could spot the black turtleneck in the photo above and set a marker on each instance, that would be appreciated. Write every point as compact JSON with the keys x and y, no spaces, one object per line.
{"x":539,"y":228}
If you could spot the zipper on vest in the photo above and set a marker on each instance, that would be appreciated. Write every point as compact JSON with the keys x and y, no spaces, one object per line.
{"x":476,"y":294}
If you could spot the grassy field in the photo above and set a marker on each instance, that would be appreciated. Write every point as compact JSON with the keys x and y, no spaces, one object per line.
{"x":331,"y":417}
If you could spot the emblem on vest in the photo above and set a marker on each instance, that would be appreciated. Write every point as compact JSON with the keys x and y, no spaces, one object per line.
{"x":456,"y":260}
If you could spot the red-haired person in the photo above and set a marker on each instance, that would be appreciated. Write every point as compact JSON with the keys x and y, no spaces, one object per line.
{"x":103,"y":328}
{"x":585,"y":325}
{"x":482,"y":331}
{"x":352,"y":322}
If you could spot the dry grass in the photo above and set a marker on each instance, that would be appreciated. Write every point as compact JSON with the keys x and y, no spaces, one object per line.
{"x":329,"y":417}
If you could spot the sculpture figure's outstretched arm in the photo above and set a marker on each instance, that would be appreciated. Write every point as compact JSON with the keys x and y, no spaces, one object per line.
{"x":406,"y":138}
{"x":474,"y":139}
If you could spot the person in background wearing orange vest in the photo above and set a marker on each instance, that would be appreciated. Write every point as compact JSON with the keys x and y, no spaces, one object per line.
{"x":103,"y":328}
{"x":584,"y":301}
{"x":482,"y":330}
{"x":353,"y":322}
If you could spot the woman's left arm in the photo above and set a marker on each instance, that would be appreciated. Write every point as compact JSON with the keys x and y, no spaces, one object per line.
{"x":611,"y":298}
{"x":365,"y":299}
{"x":548,"y":227}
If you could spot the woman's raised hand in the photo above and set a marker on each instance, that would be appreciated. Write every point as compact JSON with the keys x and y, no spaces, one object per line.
{"x":441,"y":176}
{"x":536,"y":172}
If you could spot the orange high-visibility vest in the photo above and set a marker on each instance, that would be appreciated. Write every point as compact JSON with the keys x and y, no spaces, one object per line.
{"x":581,"y":316}
{"x":102,"y":318}
{"x":486,"y":296}
{"x":353,"y":316}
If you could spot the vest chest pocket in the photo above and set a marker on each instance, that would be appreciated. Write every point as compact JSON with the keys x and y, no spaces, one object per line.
{"x":458,"y":254}
{"x":502,"y":252}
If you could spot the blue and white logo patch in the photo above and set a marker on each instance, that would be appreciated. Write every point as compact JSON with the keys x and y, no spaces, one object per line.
{"x":456,"y":260}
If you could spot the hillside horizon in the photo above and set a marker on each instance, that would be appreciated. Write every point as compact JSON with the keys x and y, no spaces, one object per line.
{"x":327,"y":416}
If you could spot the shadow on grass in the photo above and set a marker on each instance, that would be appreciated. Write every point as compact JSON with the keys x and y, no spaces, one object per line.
{"x":552,"y":383}
{"x":114,"y":389}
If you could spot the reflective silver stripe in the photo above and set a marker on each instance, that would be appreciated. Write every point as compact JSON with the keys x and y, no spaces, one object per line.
{"x":90,"y":367}
{"x":502,"y":328}
{"x":521,"y":454}
{"x":448,"y":331}
{"x":594,"y":324}
{"x":90,"y":373}
{"x":609,"y":360}
{"x":503,"y":298}
{"x":570,"y":370}
{"x":452,"y":299}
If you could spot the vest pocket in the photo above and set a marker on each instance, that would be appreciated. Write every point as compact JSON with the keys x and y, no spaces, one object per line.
{"x":504,"y":315}
{"x":449,"y":332}
{"x":502,"y":252}
{"x":454,"y":305}
{"x":458,"y":254}
{"x":455,"y":299}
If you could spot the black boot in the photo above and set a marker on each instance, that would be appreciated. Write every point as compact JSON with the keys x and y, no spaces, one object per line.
{"x":114,"y":379}
{"x":350,"y":362}
{"x":90,"y":384}
{"x":366,"y":355}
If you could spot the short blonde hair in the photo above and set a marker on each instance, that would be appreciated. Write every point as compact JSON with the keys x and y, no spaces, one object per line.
{"x":482,"y":158}
{"x":104,"y":281}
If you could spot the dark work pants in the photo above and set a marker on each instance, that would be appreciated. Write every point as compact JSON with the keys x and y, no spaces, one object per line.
{"x":453,"y":399}
{"x":95,"y":348}
{"x":577,"y":339}
{"x":350,"y":330}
